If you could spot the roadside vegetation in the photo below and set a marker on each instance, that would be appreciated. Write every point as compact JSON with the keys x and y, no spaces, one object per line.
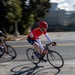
{"x":20,"y":15}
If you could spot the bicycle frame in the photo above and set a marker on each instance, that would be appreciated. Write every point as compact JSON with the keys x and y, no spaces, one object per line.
{"x":52,"y":57}
{"x":46,"y":47}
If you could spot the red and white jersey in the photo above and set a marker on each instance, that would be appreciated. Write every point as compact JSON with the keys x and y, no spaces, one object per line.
{"x":34,"y":34}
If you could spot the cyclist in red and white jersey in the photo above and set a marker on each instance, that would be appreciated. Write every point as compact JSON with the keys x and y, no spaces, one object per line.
{"x":33,"y":37}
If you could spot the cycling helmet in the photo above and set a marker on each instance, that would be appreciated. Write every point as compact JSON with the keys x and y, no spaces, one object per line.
{"x":43,"y":25}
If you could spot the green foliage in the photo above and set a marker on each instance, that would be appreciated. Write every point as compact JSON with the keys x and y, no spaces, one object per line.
{"x":39,"y":7}
{"x":31,"y":20}
{"x":24,"y":12}
{"x":14,"y":10}
{"x":33,"y":11}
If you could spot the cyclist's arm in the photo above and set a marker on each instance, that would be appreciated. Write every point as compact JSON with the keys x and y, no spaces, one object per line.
{"x":4,"y":35}
{"x":48,"y":38}
{"x":40,"y":44}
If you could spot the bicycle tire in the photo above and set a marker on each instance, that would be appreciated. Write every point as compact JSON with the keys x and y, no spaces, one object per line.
{"x":29,"y":53}
{"x":55,"y":59}
{"x":11,"y":51}
{"x":1,"y":52}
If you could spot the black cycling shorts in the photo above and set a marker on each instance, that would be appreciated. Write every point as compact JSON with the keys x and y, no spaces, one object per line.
{"x":30,"y":40}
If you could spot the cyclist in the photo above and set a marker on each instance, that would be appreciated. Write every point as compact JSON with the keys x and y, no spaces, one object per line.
{"x":2,"y":36}
{"x":33,"y":38}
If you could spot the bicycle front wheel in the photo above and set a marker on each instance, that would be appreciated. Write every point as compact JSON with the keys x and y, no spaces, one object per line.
{"x":55,"y":59}
{"x":11,"y":51}
{"x":1,"y":52}
{"x":31,"y":56}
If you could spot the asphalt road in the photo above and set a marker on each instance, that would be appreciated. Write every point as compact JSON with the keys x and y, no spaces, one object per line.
{"x":21,"y":65}
{"x":65,"y":48}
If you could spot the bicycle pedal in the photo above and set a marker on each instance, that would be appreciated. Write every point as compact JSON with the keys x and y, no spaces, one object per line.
{"x":44,"y":60}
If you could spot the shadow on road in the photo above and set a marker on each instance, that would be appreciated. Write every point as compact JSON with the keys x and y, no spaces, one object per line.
{"x":6,"y":58}
{"x":26,"y":69}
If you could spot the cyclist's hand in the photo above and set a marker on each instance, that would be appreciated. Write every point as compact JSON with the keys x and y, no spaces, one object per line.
{"x":54,"y":44}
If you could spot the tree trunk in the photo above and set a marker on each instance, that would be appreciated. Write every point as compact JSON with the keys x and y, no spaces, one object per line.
{"x":16,"y":29}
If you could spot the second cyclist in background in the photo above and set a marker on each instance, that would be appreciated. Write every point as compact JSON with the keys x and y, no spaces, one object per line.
{"x":2,"y":37}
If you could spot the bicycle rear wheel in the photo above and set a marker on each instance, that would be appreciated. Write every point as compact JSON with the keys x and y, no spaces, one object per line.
{"x":55,"y":59}
{"x":1,"y":52}
{"x":31,"y":56}
{"x":11,"y":51}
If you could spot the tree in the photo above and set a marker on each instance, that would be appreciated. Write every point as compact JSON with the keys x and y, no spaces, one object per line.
{"x":22,"y":13}
{"x":2,"y":15}
{"x":14,"y":13}
{"x":33,"y":11}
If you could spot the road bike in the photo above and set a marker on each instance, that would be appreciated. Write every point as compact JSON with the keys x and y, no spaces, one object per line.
{"x":53,"y":57}
{"x":8,"y":50}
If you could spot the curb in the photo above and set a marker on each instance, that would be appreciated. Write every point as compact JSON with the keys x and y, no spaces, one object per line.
{"x":20,"y":38}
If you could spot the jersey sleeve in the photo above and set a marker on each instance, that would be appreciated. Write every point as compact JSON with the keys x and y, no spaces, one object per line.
{"x":48,"y":38}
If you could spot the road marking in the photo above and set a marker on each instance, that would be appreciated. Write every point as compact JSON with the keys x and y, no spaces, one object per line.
{"x":31,"y":45}
{"x":65,"y":44}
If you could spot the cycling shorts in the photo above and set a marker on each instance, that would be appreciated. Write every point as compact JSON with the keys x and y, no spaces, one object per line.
{"x":30,"y":40}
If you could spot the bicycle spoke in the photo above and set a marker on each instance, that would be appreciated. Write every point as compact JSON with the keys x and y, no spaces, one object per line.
{"x":52,"y":56}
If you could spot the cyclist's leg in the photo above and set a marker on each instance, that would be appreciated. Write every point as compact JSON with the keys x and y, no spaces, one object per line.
{"x":37,"y":48}
{"x":35,"y":45}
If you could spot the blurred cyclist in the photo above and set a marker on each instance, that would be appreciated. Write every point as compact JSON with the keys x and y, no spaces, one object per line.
{"x":2,"y":36}
{"x":33,"y":38}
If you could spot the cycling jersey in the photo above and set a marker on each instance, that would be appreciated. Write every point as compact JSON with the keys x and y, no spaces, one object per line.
{"x":36,"y":33}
